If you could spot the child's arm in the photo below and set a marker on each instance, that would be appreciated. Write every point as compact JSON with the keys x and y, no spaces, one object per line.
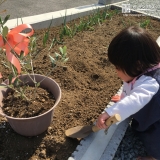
{"x":143,"y":91}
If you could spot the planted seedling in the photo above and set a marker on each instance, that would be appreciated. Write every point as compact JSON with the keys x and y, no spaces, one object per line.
{"x":20,"y":60}
{"x":144,"y":23}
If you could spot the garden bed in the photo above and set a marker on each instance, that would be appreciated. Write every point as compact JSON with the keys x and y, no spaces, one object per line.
{"x":88,"y":81}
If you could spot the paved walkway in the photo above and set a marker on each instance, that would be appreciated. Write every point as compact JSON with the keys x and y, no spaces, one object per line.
{"x":24,"y":8}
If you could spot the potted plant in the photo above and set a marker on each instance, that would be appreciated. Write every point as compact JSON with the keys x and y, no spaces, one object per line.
{"x":27,"y":99}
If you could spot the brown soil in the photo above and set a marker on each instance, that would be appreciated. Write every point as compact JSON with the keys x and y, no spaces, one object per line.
{"x":87,"y":84}
{"x":38,"y":102}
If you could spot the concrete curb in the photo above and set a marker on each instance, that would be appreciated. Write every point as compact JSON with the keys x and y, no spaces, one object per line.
{"x":115,"y":140}
{"x":43,"y":20}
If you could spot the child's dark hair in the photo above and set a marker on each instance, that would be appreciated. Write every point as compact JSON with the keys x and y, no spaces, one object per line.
{"x":134,"y":51}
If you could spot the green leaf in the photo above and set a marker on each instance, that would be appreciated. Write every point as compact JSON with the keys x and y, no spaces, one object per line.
{"x":10,"y":78}
{"x":61,"y":50}
{"x":3,"y":86}
{"x":15,"y":83}
{"x":64,"y":49}
{"x":45,"y":38}
{"x":66,"y":60}
{"x":53,"y":61}
{"x":38,"y":84}
{"x":5,"y":19}
{"x":28,"y":64}
{"x":53,"y":41}
{"x":21,"y":55}
{"x":57,"y":55}
{"x":6,"y":64}
{"x":5,"y":31}
{"x":0,"y":21}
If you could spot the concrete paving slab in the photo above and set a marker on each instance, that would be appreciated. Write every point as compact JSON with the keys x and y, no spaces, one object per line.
{"x":98,"y":145}
{"x":115,"y":140}
{"x":141,"y":7}
{"x":43,"y":20}
{"x":25,"y":8}
{"x":40,"y":21}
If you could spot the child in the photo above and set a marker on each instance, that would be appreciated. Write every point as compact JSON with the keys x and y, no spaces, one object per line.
{"x":136,"y":57}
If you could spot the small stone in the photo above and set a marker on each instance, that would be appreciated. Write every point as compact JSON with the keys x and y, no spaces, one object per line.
{"x":1,"y":126}
{"x":43,"y":154}
{"x":37,"y":152}
{"x":34,"y":158}
{"x":42,"y":145}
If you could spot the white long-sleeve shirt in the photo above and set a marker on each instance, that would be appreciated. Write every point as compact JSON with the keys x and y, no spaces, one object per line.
{"x":134,"y":97}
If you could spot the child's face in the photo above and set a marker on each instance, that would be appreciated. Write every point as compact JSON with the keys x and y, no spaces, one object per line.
{"x":123,"y":76}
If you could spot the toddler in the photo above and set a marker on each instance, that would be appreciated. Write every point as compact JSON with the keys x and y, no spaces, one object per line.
{"x":136,"y":57}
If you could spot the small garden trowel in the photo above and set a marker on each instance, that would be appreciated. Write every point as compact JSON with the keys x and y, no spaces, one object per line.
{"x":84,"y":131}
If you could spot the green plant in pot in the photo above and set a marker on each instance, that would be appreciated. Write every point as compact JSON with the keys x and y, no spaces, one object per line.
{"x":27,"y":99}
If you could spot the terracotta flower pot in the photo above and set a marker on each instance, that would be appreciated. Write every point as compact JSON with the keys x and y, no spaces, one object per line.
{"x":33,"y":126}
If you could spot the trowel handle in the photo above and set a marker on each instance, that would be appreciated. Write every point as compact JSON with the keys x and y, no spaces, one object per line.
{"x":111,"y":120}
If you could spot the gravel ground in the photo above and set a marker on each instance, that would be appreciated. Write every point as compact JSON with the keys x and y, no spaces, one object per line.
{"x":130,"y":147}
{"x":151,"y":8}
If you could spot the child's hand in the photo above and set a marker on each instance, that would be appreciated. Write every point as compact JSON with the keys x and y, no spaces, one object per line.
{"x":101,"y":120}
{"x":116,"y":98}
